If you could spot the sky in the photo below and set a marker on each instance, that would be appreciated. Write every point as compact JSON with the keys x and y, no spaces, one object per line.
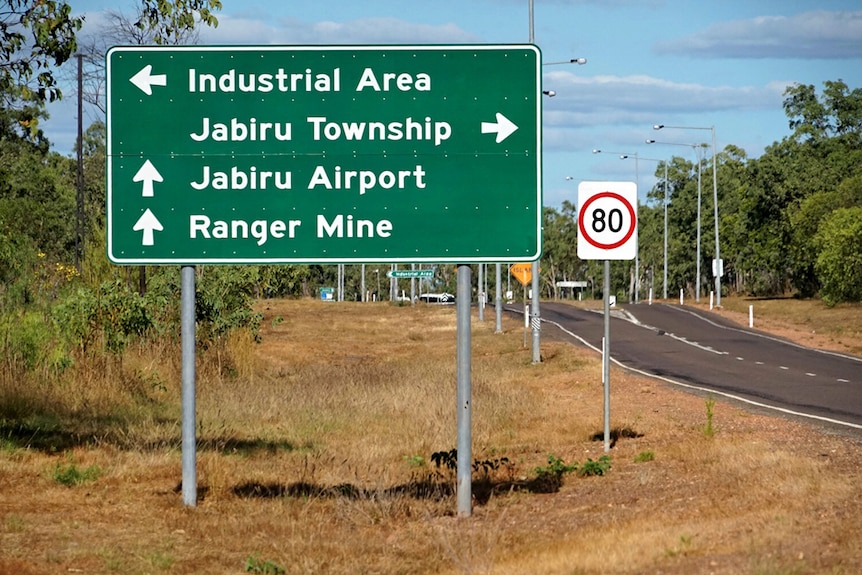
{"x":706,"y":65}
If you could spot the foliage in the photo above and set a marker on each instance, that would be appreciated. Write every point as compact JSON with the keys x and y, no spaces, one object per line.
{"x":170,"y":21}
{"x":598,"y":467}
{"x":254,"y":564}
{"x":113,"y":313}
{"x":644,"y":456}
{"x":709,"y":429}
{"x":35,"y":36}
{"x":70,"y":475}
{"x":224,"y":301}
{"x":839,"y":262}
{"x":36,"y":193}
{"x":772,"y":209}
{"x":555,"y":468}
{"x":28,"y":343}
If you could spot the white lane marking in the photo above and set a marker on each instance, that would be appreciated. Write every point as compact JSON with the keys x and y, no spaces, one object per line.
{"x":706,"y":389}
{"x":764,"y":336}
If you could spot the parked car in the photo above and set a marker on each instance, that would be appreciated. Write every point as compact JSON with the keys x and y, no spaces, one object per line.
{"x":441,"y":298}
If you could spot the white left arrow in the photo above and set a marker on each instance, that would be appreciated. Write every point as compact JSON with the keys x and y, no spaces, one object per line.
{"x":147,"y":224}
{"x":503,"y":127}
{"x":145,"y":80}
{"x":147,"y":174}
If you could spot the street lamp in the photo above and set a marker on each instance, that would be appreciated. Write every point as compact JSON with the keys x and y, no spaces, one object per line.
{"x":638,"y":158}
{"x":718,"y":267}
{"x":579,"y":61}
{"x":696,"y":149}
{"x":535,"y":285}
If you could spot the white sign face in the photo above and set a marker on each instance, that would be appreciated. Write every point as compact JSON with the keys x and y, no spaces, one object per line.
{"x":607,"y":220}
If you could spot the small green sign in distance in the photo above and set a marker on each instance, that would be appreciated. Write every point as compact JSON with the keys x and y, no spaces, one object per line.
{"x":406,"y":274}
{"x":339,"y":154}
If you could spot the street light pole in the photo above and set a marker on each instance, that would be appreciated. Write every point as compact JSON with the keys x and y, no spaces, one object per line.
{"x":536,"y":318}
{"x":638,"y":158}
{"x":623,"y":156}
{"x":664,"y":282}
{"x":696,"y":149}
{"x":717,"y":265}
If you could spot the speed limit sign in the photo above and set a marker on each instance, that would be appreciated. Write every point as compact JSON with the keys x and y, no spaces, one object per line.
{"x":607,"y":220}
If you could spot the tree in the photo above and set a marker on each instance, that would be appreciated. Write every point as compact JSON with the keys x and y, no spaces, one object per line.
{"x":35,"y":35}
{"x":560,"y":241}
{"x":154,"y":22}
{"x":171,"y":21}
{"x":837,"y":113}
{"x":839,"y":262}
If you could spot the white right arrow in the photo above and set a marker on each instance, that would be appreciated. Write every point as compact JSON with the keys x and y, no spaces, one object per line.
{"x":503,"y":127}
{"x":147,"y":174}
{"x":147,"y":223}
{"x":145,"y":79}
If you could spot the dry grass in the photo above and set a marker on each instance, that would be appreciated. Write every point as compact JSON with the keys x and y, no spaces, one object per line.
{"x":315,"y":453}
{"x":810,"y":322}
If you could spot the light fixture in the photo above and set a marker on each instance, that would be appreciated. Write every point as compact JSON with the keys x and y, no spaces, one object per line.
{"x":579,"y":61}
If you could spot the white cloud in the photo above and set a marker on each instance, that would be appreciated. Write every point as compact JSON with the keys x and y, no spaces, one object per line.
{"x":254,"y":30}
{"x":816,"y":34}
{"x":609,"y":100}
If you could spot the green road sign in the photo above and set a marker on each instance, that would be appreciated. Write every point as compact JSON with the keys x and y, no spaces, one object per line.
{"x":323,"y":154}
{"x":402,"y":274}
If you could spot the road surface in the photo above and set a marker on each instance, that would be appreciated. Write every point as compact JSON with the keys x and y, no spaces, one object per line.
{"x":703,"y":351}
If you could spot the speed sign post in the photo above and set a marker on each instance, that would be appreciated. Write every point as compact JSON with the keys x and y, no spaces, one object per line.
{"x":607,"y":230}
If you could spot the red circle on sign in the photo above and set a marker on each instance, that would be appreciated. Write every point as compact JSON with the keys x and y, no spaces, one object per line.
{"x":598,"y":244}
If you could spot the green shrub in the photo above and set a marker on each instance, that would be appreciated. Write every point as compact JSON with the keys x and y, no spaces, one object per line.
{"x":644,"y":456}
{"x":70,"y":475}
{"x":255,"y":564}
{"x":600,"y":467}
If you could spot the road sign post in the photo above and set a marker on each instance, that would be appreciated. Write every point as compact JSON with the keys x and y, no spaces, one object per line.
{"x":607,"y":230}
{"x":323,"y":154}
{"x":335,"y":154}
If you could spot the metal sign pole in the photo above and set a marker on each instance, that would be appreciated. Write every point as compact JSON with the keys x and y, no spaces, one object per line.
{"x":536,"y":319}
{"x":464,"y":359}
{"x":187,"y":330}
{"x":498,"y":302}
{"x":606,"y":355}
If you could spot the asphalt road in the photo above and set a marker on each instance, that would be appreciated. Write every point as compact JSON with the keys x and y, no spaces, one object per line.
{"x":706,"y":352}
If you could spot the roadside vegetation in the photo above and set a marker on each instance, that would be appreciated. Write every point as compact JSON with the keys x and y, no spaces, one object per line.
{"x":325,"y":445}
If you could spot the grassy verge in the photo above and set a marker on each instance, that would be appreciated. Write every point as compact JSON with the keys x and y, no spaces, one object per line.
{"x":317,"y":455}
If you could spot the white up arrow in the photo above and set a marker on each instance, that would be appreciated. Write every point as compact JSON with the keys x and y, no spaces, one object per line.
{"x":147,"y":174}
{"x":145,"y":79}
{"x":147,"y":223}
{"x":503,"y":127}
